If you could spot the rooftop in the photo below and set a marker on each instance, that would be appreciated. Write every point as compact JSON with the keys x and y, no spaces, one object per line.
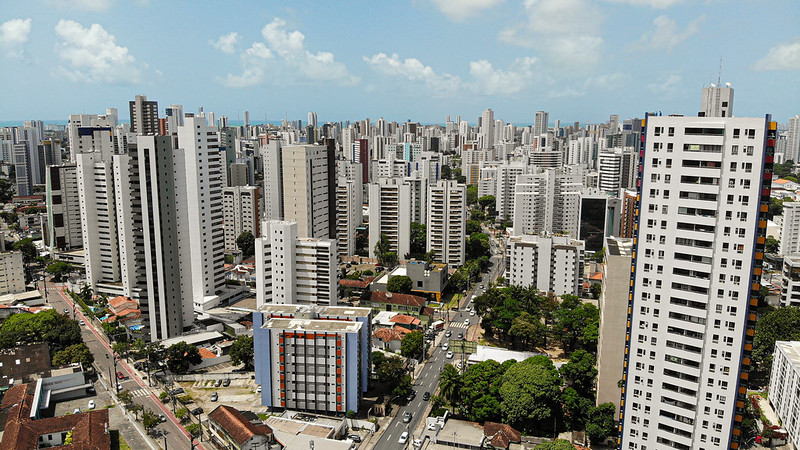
{"x":397,"y":299}
{"x":485,"y":353}
{"x":234,"y":422}
{"x":313,"y":325}
{"x":461,"y":431}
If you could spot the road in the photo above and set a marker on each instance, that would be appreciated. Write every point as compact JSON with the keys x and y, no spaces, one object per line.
{"x":176,"y":436}
{"x":429,"y":376}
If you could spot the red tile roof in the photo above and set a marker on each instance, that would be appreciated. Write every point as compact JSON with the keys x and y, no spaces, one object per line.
{"x":397,"y":299}
{"x":501,"y":435}
{"x":405,"y":319}
{"x":120,"y":301}
{"x":387,"y":335}
{"x":361,"y":284}
{"x":206,"y":353}
{"x":240,"y":429}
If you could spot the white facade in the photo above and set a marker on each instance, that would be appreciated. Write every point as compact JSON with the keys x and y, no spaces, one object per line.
{"x":390,"y":214}
{"x":792,"y":151}
{"x":349,"y":206}
{"x":12,"y":274}
{"x":505,"y":183}
{"x":540,"y":121}
{"x":790,"y":229}
{"x":548,"y":263}
{"x":717,"y":102}
{"x":63,"y":208}
{"x":547,"y":202}
{"x":617,"y":169}
{"x":784,"y":382}
{"x":790,"y":283}
{"x":447,"y":222}
{"x":241,"y":213}
{"x":305,"y":189}
{"x":696,"y":259}
{"x":294,"y":270}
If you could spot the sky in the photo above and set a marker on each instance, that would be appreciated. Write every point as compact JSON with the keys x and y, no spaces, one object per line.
{"x":419,"y":60}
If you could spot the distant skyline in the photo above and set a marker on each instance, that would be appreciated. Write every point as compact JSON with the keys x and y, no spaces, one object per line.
{"x":580,"y":60}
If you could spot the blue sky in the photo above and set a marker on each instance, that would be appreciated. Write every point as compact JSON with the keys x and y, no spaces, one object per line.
{"x":581,"y":60}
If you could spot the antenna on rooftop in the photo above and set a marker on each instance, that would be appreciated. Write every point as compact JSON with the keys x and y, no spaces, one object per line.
{"x":719,"y":74}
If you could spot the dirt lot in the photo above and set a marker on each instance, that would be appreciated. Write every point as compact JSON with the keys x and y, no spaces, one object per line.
{"x":241,"y":394}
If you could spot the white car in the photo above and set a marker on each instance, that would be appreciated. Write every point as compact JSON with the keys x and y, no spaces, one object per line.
{"x":472,"y":313}
{"x":458,"y":366}
{"x":417,"y":443}
{"x":445,"y":346}
{"x":91,"y":404}
{"x":466,"y":322}
{"x":467,"y":308}
{"x":403,"y":438}
{"x":449,"y":355}
{"x":432,"y":426}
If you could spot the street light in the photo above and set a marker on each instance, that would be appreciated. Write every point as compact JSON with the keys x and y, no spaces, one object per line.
{"x":115,"y":379}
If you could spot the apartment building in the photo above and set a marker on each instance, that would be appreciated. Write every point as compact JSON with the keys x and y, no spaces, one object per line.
{"x":548,"y":263}
{"x":390,"y":215}
{"x":784,"y":381}
{"x":241,"y":213}
{"x":447,"y":222}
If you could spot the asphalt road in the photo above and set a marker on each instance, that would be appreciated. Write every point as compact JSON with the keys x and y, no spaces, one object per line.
{"x":176,"y":436}
{"x":429,"y":376}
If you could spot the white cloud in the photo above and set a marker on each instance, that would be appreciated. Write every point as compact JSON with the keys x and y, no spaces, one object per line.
{"x":93,"y":55}
{"x":13,"y":34}
{"x":458,"y":10}
{"x":784,"y":56}
{"x":86,"y":5}
{"x":414,"y":70}
{"x":567,"y":31}
{"x":226,"y":42}
{"x":658,"y":4}
{"x":298,"y":63}
{"x":491,"y":81}
{"x":667,"y":87}
{"x":666,"y":35}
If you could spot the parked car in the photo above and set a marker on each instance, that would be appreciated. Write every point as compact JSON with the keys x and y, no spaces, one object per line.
{"x":354,"y":437}
{"x":91,"y":404}
{"x":466,"y":322}
{"x":417,"y":443}
{"x":218,"y":383}
{"x":66,"y":310}
{"x":177,"y":391}
{"x":426,"y":396}
{"x":76,"y":411}
{"x":120,"y":375}
{"x":472,"y":313}
{"x":432,"y":426}
{"x":82,"y":323}
{"x":407,"y":417}
{"x":162,"y":418}
{"x":460,"y":336}
{"x":226,"y":383}
{"x":197,"y":411}
{"x":403,"y":438}
{"x":448,"y":333}
{"x":214,"y":397}
{"x":258,"y":389}
{"x":449,"y":355}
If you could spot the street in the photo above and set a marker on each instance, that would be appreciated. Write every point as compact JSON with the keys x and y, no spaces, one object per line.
{"x":174,"y":435}
{"x":429,"y":376}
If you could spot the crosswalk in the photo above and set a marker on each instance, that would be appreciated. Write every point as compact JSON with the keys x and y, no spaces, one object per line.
{"x":458,"y":325}
{"x":142,"y":392}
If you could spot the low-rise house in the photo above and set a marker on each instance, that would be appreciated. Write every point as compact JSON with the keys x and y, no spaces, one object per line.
{"x":407,"y":304}
{"x":231,"y":430}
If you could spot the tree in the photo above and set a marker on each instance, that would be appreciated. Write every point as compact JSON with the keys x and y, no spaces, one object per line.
{"x":400,"y":284}
{"x":125,"y":397}
{"x":773,"y":245}
{"x":600,"y":423}
{"x":135,"y":408}
{"x":576,"y":323}
{"x":779,"y":325}
{"x":558,"y":444}
{"x":383,"y":251}
{"x":450,"y":382}
{"x":531,"y":394}
{"x":472,"y":195}
{"x":121,"y":348}
{"x":479,"y":395}
{"x":182,"y":414}
{"x":193,"y":429}
{"x":247,"y":244}
{"x":478,"y":246}
{"x":577,"y":408}
{"x":596,"y":289}
{"x":418,"y":241}
{"x":447,"y":173}
{"x":59,"y":331}
{"x":181,"y":356}
{"x":781,"y":170}
{"x":242,"y":351}
{"x":579,"y":373}
{"x":486,"y":200}
{"x":6,"y":191}
{"x":473,"y":226}
{"x":28,"y":249}
{"x":412,"y":344}
{"x":390,"y":370}
{"x":150,"y":420}
{"x":59,"y":270}
{"x":403,"y":386}
{"x":76,"y":353}
{"x":528,"y":331}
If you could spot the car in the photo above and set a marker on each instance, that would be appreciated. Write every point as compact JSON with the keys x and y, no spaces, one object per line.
{"x":449,"y":355}
{"x":417,"y":443}
{"x":483,"y":287}
{"x":411,"y":395}
{"x":226,"y":383}
{"x":218,"y":383}
{"x":467,"y":308}
{"x":119,"y":388}
{"x":472,"y":313}
{"x":426,"y":396}
{"x":354,"y":437}
{"x":460,"y":336}
{"x":214,"y":397}
{"x":197,"y":411}
{"x":448,"y":333}
{"x":466,"y":322}
{"x":403,"y":438}
{"x":432,"y":426}
{"x":258,"y":389}
{"x":66,"y":310}
{"x":445,"y":346}
{"x":91,"y":389}
{"x":76,"y":411}
{"x":407,"y":417}
{"x":91,"y":404}
{"x":162,"y":418}
{"x":458,"y":365}
{"x":82,"y":323}
{"x":177,"y":391}
{"x":120,"y":375}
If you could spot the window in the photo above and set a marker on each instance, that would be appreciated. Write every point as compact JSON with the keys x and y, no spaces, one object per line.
{"x":734,"y":150}
{"x":736,"y":133}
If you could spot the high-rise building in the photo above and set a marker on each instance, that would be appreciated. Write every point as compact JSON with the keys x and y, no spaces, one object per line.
{"x":144,"y":116}
{"x":717,"y":101}
{"x":312,"y":358}
{"x":349,"y":206}
{"x":540,"y":121}
{"x":487,"y":129}
{"x":793,"y":141}
{"x":705,"y":187}
{"x":63,"y":208}
{"x":447,"y":222}
{"x":548,"y":263}
{"x":617,"y":167}
{"x":790,"y":229}
{"x":241,"y":213}
{"x":390,"y":215}
{"x":291,"y":269}
{"x":547,"y":202}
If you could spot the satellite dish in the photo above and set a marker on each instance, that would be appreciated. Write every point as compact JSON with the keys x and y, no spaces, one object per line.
{"x":728,"y":84}
{"x":713,"y":85}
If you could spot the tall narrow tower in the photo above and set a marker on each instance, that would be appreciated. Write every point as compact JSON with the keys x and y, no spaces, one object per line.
{"x":701,"y":225}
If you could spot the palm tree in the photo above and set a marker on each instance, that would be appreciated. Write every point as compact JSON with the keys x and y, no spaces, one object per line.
{"x":450,"y":382}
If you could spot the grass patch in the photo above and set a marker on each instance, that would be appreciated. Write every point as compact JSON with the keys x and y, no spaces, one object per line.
{"x":110,"y":406}
{"x":117,"y":441}
{"x":263,"y":416}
